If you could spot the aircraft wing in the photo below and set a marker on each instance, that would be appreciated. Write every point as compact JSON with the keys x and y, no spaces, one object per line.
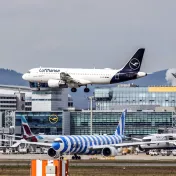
{"x":137,"y":139}
{"x":43,"y":144}
{"x":23,"y":141}
{"x":67,"y":78}
{"x":172,"y":142}
{"x":70,"y":80}
{"x":96,"y":147}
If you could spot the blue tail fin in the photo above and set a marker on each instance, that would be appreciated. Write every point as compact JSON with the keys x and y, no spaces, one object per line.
{"x":121,"y":126}
{"x":135,"y":62}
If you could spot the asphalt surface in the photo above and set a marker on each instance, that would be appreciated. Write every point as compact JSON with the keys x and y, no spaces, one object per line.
{"x":133,"y":157}
{"x":123,"y":161}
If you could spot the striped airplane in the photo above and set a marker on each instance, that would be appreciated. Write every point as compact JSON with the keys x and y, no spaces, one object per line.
{"x":106,"y":145}
{"x":89,"y":144}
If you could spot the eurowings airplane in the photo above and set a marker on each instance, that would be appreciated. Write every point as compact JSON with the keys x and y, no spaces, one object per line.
{"x":74,"y":78}
{"x":29,"y":136}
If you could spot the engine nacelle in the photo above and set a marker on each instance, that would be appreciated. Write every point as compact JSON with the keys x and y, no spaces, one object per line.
{"x":109,"y":151}
{"x":55,"y":83}
{"x":140,"y":148}
{"x":53,"y":153}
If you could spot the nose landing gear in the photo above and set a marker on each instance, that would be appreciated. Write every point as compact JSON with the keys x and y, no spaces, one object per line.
{"x":76,"y":157}
{"x":73,"y":89}
{"x":38,"y":87}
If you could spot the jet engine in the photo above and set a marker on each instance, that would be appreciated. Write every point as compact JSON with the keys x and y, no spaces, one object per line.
{"x":109,"y":151}
{"x":53,"y":153}
{"x":55,"y":83}
{"x":140,"y":148}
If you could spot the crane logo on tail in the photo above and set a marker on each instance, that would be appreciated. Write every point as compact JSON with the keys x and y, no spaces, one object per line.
{"x":134,"y":64}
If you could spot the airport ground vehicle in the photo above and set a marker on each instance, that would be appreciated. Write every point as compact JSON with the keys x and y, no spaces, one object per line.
{"x":166,"y":152}
{"x":174,"y":152}
{"x":153,"y":153}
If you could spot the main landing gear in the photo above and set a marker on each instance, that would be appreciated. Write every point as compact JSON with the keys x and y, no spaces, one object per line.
{"x":76,"y":157}
{"x":61,"y":157}
{"x":86,"y":89}
{"x":73,"y":89}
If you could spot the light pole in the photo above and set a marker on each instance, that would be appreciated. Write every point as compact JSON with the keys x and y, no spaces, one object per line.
{"x":91,"y":113}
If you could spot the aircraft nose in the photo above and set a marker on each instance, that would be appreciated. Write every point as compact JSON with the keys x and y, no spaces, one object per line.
{"x":56,"y":145}
{"x":24,"y":76}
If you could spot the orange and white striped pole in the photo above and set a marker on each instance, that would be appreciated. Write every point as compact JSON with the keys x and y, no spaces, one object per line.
{"x":49,"y":168}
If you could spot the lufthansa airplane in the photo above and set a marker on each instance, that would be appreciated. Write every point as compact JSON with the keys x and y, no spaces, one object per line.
{"x":74,"y":78}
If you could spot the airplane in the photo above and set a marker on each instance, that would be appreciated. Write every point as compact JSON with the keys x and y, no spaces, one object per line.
{"x":77,"y":77}
{"x":174,"y":74}
{"x":29,"y":136}
{"x":106,"y":145}
{"x":157,"y":137}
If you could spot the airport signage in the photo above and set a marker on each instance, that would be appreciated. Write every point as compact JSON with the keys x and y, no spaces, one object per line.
{"x":53,"y":119}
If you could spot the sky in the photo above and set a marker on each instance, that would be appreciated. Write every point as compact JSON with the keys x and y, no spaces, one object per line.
{"x":86,"y":33}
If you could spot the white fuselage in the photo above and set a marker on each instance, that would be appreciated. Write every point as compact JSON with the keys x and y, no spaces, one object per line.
{"x":159,"y":137}
{"x":94,"y":76}
{"x":79,"y":76}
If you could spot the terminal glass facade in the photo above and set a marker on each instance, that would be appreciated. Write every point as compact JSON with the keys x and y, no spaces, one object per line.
{"x":137,"y":123}
{"x":136,"y":98}
{"x":42,"y":122}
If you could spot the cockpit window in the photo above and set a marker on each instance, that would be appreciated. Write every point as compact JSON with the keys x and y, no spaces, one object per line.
{"x":28,"y":72}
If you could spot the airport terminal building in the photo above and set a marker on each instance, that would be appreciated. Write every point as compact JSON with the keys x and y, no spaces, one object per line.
{"x":134,"y":97}
{"x":138,"y":123}
{"x":47,"y":110}
{"x":149,"y":108}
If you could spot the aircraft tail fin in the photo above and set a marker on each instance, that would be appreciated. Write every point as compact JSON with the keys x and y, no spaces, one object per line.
{"x":121,"y":126}
{"x":26,"y":129}
{"x":135,"y":62}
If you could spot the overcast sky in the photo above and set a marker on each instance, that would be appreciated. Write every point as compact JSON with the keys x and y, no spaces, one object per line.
{"x":86,"y":33}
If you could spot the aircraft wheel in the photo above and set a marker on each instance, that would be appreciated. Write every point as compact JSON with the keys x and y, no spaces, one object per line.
{"x":86,"y":89}
{"x":61,"y":158}
{"x":79,"y":157}
{"x":73,"y":157}
{"x":73,"y":89}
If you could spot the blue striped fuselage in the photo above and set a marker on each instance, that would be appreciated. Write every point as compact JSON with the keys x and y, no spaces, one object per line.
{"x":81,"y":144}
